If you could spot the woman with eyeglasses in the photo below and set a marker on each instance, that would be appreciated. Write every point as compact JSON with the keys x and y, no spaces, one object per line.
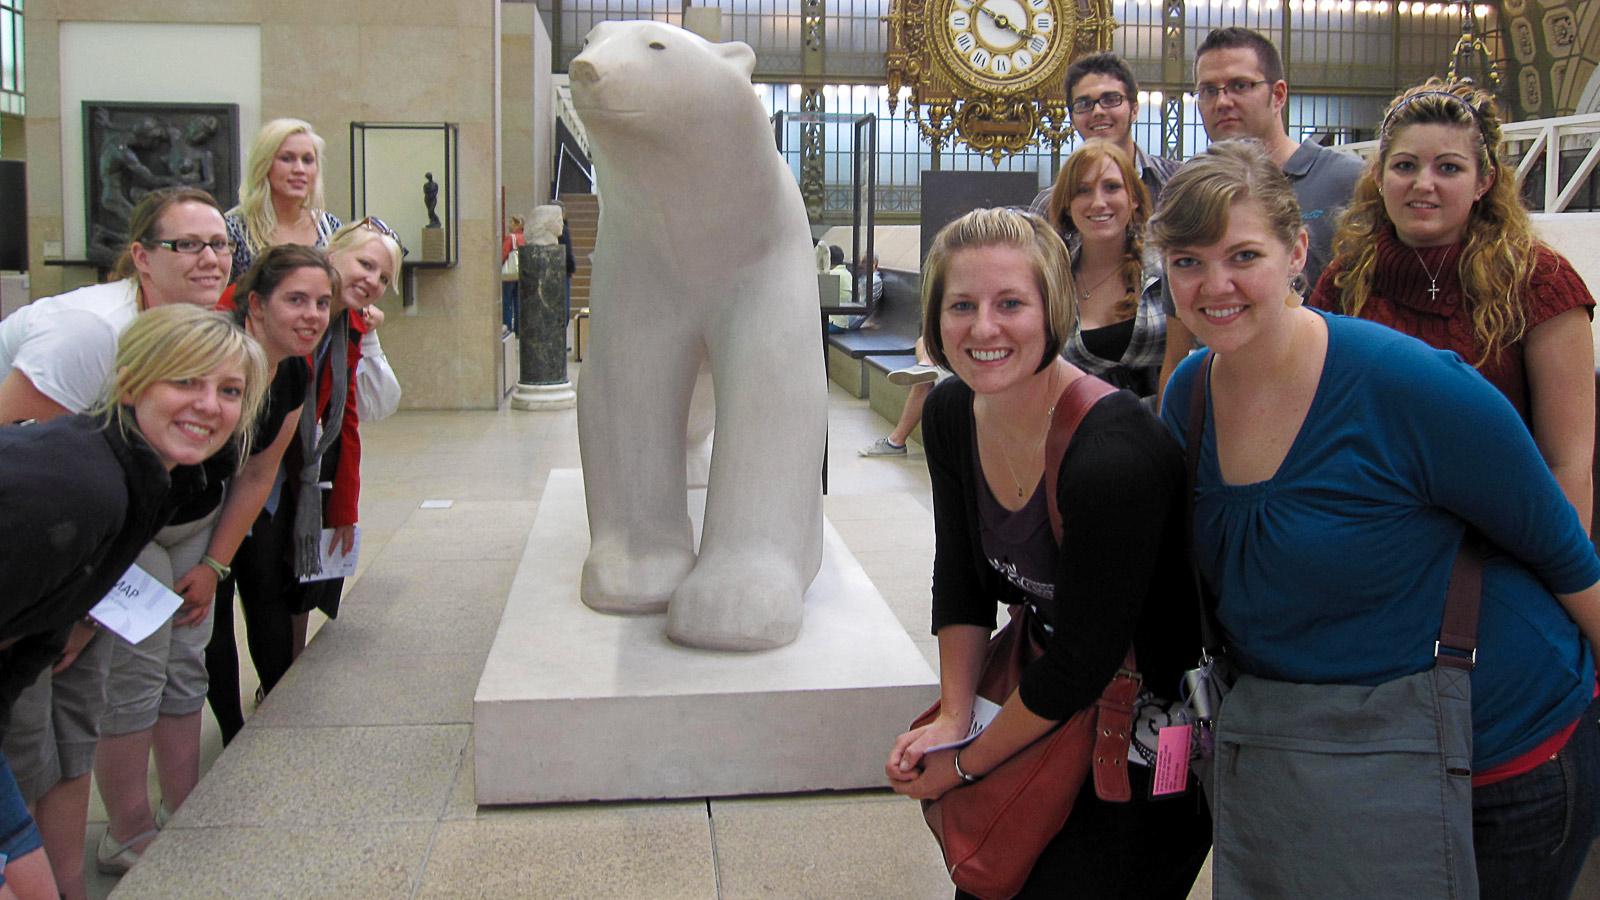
{"x":56,"y":356}
{"x":1099,"y":207}
{"x":158,"y":687}
{"x":1437,"y":244}
{"x":281,"y":200}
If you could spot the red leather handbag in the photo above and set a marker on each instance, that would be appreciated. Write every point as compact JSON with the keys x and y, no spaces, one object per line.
{"x":992,"y":832}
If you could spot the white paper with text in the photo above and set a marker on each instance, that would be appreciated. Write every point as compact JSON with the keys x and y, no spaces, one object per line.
{"x":136,"y":606}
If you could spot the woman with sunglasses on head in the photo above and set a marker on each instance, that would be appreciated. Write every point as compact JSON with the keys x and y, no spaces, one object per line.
{"x":1099,"y":207}
{"x":1438,"y":245}
{"x":81,"y":495}
{"x":157,"y":687}
{"x":1340,"y":468}
{"x":56,"y":355}
{"x":367,"y":256}
{"x":281,"y":199}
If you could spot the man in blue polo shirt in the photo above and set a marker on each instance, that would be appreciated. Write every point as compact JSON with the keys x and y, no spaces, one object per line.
{"x":1241,"y":93}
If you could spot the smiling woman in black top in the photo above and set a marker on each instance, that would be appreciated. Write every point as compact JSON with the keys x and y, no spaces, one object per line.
{"x":996,"y":303}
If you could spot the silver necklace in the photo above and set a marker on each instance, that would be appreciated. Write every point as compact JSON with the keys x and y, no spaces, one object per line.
{"x":1049,"y":417}
{"x":1433,"y":277}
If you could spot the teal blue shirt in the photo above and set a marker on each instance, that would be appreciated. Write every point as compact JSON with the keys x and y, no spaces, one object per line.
{"x":1334,"y":570}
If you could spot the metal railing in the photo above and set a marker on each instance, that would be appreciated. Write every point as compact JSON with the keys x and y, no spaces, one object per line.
{"x":1555,"y":160}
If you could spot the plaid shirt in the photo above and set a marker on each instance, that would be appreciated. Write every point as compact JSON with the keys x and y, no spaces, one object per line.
{"x":1140,"y":364}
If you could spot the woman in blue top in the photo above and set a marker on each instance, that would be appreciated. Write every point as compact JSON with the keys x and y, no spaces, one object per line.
{"x":1341,"y":464}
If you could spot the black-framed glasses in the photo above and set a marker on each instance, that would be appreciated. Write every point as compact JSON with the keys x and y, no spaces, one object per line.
{"x":382,"y":227}
{"x":195,"y":246}
{"x":1208,"y":93}
{"x":1108,"y":100}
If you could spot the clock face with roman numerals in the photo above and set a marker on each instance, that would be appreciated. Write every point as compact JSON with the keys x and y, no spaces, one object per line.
{"x":1001,"y":45}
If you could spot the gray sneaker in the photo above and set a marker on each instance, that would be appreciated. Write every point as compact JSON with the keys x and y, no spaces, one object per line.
{"x":883,"y":447}
{"x":918,"y":374}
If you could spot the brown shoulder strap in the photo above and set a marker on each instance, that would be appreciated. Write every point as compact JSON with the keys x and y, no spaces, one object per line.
{"x":1074,"y":403}
{"x":1458,"y":633}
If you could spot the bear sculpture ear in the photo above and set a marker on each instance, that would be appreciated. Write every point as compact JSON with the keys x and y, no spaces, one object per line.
{"x":738,"y":53}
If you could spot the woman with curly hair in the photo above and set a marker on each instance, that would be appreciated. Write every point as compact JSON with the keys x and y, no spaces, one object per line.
{"x":1437,"y":244}
{"x":1099,"y":207}
{"x":281,"y":200}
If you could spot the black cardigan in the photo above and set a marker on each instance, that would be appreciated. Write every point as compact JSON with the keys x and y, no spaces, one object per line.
{"x":1123,"y":574}
{"x":78,"y":501}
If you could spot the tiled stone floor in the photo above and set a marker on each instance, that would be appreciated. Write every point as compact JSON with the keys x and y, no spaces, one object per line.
{"x":354,"y":779}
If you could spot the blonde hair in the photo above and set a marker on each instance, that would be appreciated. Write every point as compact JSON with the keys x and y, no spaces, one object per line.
{"x":1499,"y":248}
{"x":355,"y":235}
{"x":255,"y":194}
{"x":1196,"y":203}
{"x":1077,"y":167}
{"x":1003,"y":228}
{"x":177,"y":341}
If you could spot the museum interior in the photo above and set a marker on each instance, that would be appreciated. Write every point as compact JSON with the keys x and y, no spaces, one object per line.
{"x":443,"y":737}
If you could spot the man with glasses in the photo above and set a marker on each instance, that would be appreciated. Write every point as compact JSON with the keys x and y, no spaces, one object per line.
{"x":1103,"y":97}
{"x":1241,"y":93}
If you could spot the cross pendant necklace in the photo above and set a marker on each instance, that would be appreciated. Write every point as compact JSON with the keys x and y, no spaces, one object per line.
{"x":1433,"y":277}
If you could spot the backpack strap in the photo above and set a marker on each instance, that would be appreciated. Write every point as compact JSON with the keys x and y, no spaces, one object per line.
{"x":1074,"y":403}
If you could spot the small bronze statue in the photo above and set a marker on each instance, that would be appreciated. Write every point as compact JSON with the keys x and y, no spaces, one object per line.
{"x":430,"y":198}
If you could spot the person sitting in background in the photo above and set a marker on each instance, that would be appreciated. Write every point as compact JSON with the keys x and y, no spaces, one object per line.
{"x":841,"y":323}
{"x":81,"y":496}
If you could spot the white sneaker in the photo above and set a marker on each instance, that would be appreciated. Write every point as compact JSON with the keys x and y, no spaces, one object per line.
{"x":112,"y":858}
{"x":918,"y":374}
{"x":883,"y":447}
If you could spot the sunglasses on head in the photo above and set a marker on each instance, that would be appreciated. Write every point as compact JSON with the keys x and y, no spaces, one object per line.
{"x":382,"y":227}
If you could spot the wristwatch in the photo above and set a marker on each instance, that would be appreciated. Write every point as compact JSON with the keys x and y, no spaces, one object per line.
{"x":222,"y":571}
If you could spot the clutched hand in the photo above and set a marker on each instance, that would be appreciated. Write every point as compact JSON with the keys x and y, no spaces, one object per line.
{"x":342,"y":539}
{"x":197,"y":587}
{"x":906,"y":757}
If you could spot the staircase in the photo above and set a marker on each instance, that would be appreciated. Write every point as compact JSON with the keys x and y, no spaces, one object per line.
{"x":583,"y":218}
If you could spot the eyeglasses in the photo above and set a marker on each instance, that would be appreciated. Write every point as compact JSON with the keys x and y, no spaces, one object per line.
{"x":1208,"y":93}
{"x":1108,"y":100}
{"x":382,"y":227}
{"x":195,"y":246}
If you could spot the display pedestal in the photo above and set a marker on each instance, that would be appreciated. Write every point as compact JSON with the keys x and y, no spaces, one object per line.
{"x":575,"y":705}
{"x":433,"y":243}
{"x":542,"y":329}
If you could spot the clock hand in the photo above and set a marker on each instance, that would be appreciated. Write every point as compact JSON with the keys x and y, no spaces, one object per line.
{"x":1004,"y":22}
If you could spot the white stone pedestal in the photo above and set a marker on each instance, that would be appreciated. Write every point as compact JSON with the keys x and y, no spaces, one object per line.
{"x":576,"y":705}
{"x":544,"y":396}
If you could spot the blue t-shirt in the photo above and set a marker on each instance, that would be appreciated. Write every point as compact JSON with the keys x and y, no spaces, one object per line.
{"x":1334,"y":570}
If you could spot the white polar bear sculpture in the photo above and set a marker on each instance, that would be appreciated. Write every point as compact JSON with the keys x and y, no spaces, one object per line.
{"x":703,"y":253}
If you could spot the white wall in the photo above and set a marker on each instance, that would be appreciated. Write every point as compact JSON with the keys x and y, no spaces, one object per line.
{"x":157,"y":63}
{"x":1575,"y":236}
{"x":544,"y":110}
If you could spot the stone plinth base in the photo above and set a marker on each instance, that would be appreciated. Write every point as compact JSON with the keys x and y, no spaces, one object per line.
{"x":433,"y":249}
{"x":576,"y":705}
{"x":544,"y":396}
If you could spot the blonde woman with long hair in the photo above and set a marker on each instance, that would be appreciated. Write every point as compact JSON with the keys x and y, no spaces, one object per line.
{"x":1437,"y":244}
{"x":281,"y":200}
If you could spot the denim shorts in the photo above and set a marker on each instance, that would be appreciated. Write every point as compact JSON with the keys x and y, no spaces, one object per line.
{"x":1532,"y":833}
{"x":18,"y":835}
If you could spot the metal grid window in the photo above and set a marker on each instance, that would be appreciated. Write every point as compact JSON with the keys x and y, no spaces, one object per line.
{"x":13,"y":81}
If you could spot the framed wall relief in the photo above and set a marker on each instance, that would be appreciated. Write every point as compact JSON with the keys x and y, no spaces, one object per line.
{"x":131,"y":149}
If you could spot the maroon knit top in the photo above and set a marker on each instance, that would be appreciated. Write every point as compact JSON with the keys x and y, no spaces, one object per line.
{"x":1401,"y":300}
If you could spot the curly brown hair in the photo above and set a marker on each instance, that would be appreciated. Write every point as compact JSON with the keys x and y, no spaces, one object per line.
{"x":1499,"y":248}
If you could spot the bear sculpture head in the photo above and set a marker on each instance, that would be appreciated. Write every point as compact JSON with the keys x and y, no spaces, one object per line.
{"x":650,"y":78}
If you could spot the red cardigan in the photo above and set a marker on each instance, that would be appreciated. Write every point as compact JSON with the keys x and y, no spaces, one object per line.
{"x":341,"y":506}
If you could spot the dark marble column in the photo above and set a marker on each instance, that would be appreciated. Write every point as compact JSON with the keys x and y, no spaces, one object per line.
{"x":542,"y":316}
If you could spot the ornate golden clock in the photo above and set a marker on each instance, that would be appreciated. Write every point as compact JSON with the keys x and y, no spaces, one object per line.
{"x":989,"y":72}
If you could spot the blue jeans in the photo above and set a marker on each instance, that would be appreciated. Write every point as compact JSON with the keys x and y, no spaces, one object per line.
{"x":1532,"y":833}
{"x":18,"y":835}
